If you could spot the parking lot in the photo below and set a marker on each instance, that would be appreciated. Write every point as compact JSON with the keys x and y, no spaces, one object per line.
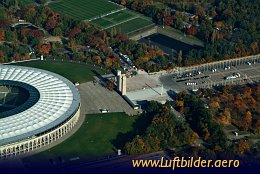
{"x":95,"y":97}
{"x":193,"y":80}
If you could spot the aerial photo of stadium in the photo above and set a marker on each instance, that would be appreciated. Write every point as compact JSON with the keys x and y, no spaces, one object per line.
{"x":37,"y":108}
{"x":129,"y":86}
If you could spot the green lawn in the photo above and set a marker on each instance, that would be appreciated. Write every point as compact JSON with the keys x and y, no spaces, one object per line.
{"x":94,"y":138}
{"x":87,"y":9}
{"x":114,"y":18}
{"x":83,"y":9}
{"x":73,"y":72}
{"x":120,"y":16}
{"x":102,"y":23}
{"x":126,"y":21}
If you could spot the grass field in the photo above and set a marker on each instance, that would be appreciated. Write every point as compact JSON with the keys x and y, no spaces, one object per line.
{"x":114,"y":18}
{"x":94,"y":138}
{"x":73,"y":72}
{"x":83,"y":9}
{"x":123,"y":20}
{"x":132,"y":25}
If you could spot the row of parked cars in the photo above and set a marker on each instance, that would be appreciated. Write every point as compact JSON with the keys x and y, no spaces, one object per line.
{"x":233,"y":76}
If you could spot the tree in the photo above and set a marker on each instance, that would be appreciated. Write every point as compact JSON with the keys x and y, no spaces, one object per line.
{"x":213,"y":12}
{"x":16,"y":57}
{"x":109,"y":62}
{"x":57,"y":31}
{"x":2,"y":35}
{"x":242,"y":147}
{"x":72,"y":45}
{"x":192,"y":31}
{"x":1,"y":56}
{"x":74,"y":32}
{"x":97,"y":59}
{"x":51,"y":23}
{"x":44,"y":48}
{"x":256,"y":126}
{"x":9,"y":36}
{"x":35,"y":41}
{"x":123,"y":2}
{"x":248,"y":120}
{"x":110,"y":84}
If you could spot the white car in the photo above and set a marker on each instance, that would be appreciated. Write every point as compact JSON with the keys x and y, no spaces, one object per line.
{"x":227,"y":67}
{"x":104,"y":110}
{"x":190,"y":83}
{"x":214,"y":70}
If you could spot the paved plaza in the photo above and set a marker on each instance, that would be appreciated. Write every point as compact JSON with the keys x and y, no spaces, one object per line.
{"x":95,"y":97}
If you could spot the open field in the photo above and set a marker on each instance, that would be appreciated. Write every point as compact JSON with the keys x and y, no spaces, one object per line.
{"x":114,"y":18}
{"x":94,"y":138}
{"x":123,"y":21}
{"x":83,"y":9}
{"x":103,"y":14}
{"x":73,"y":72}
{"x":132,"y":25}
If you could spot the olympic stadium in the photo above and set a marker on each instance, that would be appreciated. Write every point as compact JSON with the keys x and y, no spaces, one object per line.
{"x":37,"y":108}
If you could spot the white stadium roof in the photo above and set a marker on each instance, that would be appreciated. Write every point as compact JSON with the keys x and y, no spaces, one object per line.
{"x":57,"y":101}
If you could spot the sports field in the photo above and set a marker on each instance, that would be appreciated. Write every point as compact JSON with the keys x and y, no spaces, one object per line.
{"x":96,"y":137}
{"x":83,"y":9}
{"x":114,"y":18}
{"x":132,"y":25}
{"x":124,"y":21}
{"x":73,"y":72}
{"x":104,"y":14}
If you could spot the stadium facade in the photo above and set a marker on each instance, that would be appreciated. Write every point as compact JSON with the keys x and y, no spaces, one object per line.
{"x":50,"y":112}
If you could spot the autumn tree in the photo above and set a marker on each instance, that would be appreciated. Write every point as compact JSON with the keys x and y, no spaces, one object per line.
{"x":110,"y":84}
{"x":16,"y":57}
{"x":73,"y":32}
{"x":180,"y":58}
{"x":97,"y":59}
{"x":242,"y":147}
{"x":256,"y":126}
{"x":109,"y":62}
{"x":1,"y":56}
{"x":248,"y":120}
{"x":123,"y":2}
{"x":2,"y":35}
{"x":192,"y":31}
{"x":44,"y":48}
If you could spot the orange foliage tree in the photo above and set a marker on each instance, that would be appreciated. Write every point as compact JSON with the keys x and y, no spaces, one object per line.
{"x":2,"y":35}
{"x":44,"y":48}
